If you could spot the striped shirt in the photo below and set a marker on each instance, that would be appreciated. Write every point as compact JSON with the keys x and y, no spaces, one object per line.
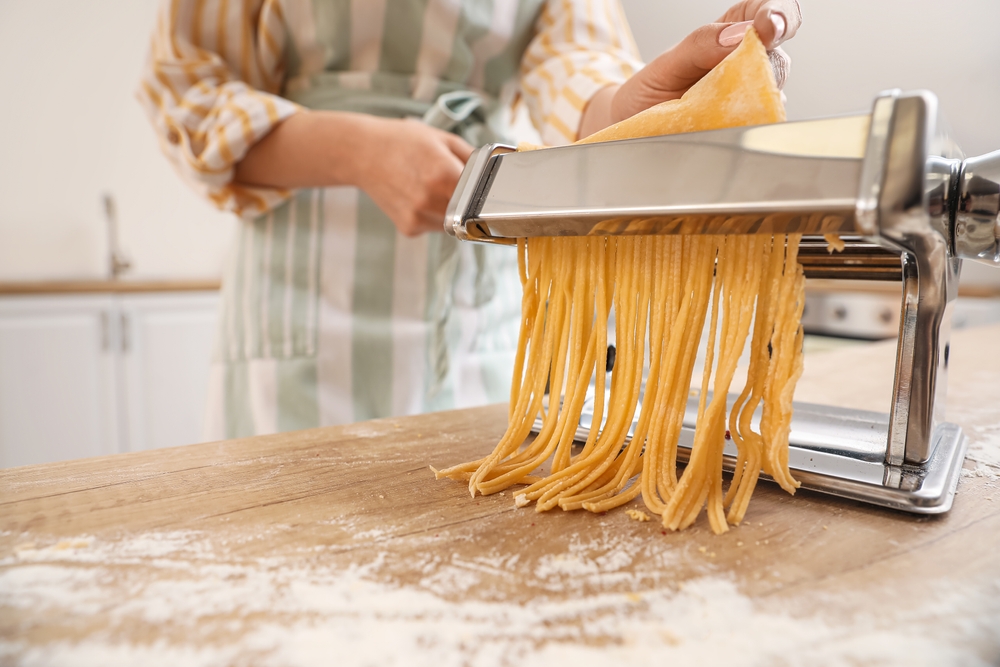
{"x":220,"y":72}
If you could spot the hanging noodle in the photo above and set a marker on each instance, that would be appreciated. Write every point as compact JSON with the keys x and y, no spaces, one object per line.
{"x":662,"y":291}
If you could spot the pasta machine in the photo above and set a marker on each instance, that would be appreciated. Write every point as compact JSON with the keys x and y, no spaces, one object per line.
{"x":892,"y":184}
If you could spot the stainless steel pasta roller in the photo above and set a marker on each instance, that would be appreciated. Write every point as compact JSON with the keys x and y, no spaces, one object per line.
{"x":892,"y":183}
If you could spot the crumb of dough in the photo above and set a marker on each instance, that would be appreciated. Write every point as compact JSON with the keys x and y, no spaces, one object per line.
{"x":702,"y":549}
{"x":521,"y":500}
{"x":833,"y":243}
{"x":72,"y":544}
{"x":637,"y":515}
{"x":670,"y":637}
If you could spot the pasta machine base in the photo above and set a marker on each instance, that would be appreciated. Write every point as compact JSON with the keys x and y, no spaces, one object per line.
{"x":841,"y":452}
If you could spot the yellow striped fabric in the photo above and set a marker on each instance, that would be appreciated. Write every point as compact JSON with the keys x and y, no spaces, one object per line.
{"x":213,"y":81}
{"x":210,"y":88}
{"x":580,"y":47}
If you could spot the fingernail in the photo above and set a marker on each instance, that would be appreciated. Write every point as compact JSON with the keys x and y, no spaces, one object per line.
{"x":778,"y":21}
{"x":733,"y":34}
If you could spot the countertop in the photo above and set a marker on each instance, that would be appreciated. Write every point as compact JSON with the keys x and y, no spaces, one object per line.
{"x":70,"y":286}
{"x":337,"y":546}
{"x":41,"y":287}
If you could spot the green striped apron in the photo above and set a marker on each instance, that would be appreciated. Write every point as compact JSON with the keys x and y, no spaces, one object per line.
{"x":329,"y":315}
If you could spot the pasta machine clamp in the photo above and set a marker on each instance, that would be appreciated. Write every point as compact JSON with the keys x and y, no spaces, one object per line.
{"x":892,"y":184}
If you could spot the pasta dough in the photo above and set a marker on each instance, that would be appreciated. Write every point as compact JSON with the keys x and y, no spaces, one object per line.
{"x":662,"y":290}
{"x":738,"y":91}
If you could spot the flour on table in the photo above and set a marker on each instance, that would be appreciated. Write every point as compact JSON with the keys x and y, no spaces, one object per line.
{"x":597,"y":561}
{"x":222,"y":610}
{"x":375,"y":534}
{"x":976,"y":419}
{"x":984,"y":451}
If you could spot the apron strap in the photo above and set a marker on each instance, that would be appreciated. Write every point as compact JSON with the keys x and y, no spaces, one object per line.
{"x":451,"y":109}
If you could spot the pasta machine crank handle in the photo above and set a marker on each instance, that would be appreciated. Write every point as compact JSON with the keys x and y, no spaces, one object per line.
{"x":977,"y":215}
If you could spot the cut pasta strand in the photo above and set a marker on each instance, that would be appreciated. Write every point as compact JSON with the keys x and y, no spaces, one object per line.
{"x":664,"y":289}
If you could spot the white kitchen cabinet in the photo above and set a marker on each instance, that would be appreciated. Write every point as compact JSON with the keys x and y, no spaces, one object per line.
{"x":91,"y":374}
{"x":166,"y":348}
{"x":57,"y":379}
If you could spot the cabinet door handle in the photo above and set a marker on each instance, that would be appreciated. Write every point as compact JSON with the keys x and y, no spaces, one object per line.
{"x":105,"y":331}
{"x":125,"y":340}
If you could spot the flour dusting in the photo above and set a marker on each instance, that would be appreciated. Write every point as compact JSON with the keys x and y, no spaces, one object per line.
{"x":210,"y":608}
{"x":978,"y":419}
{"x":984,"y":451}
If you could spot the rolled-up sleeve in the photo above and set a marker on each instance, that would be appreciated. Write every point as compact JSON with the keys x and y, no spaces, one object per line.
{"x":210,"y":89}
{"x":580,"y":46}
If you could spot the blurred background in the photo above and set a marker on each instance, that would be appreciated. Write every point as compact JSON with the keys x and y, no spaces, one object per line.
{"x":89,"y":368}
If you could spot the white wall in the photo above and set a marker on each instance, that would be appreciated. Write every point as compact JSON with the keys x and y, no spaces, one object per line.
{"x":849,"y":50}
{"x":70,"y":129}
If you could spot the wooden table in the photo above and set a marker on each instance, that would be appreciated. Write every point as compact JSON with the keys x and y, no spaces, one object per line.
{"x":108,"y":286}
{"x":337,"y":546}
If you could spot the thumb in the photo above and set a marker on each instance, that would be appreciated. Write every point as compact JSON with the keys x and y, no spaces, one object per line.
{"x":670,"y":74}
{"x":683,"y":65}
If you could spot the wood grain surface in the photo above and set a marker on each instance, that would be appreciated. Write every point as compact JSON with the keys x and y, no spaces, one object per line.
{"x":337,"y":546}
{"x":92,"y":286}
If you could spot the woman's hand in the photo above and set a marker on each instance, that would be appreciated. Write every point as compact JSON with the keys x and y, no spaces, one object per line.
{"x":408,"y":168}
{"x":670,"y":74}
{"x":411,"y":172}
